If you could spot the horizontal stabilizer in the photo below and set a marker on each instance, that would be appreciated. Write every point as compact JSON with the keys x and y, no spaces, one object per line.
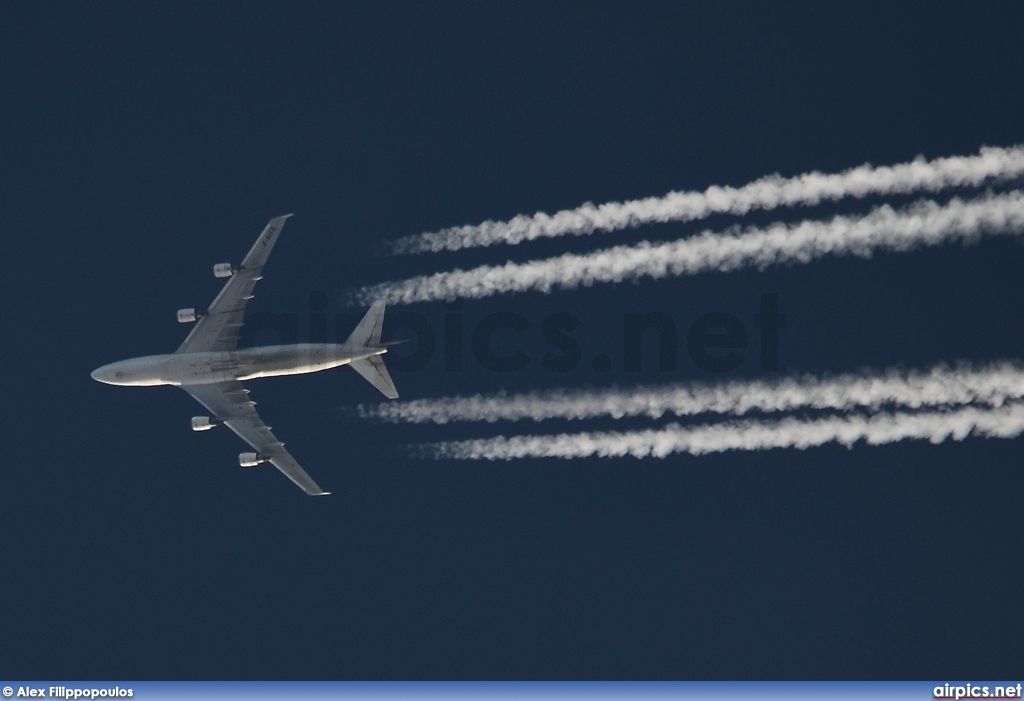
{"x":367,"y":333}
{"x":373,"y":371}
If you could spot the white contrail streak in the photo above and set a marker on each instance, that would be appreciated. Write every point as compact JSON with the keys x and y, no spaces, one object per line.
{"x":991,"y":385}
{"x":925,"y":223}
{"x":878,"y":429}
{"x":770,"y":192}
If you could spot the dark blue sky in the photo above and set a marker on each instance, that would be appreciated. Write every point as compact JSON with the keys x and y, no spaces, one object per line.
{"x":144,"y":143}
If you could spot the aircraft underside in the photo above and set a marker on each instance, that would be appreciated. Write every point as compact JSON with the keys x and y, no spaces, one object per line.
{"x":209,"y":365}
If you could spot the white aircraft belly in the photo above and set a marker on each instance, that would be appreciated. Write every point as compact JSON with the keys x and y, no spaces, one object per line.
{"x":202,"y":368}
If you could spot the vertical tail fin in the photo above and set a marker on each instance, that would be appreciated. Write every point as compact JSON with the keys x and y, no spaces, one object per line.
{"x":367,"y":335}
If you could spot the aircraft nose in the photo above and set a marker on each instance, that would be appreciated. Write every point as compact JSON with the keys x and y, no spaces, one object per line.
{"x":103,"y":374}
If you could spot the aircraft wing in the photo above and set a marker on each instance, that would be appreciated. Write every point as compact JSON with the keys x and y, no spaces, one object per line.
{"x":229,"y":402}
{"x":219,"y":328}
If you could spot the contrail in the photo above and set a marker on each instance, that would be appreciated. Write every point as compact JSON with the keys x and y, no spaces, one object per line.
{"x":936,"y":426}
{"x":924,"y":223}
{"x":991,"y":385}
{"x":770,"y":192}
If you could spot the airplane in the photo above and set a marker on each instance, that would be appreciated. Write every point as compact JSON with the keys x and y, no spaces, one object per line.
{"x":210,"y":366}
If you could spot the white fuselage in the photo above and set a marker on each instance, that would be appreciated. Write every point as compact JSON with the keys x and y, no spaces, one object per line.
{"x":223,"y":366}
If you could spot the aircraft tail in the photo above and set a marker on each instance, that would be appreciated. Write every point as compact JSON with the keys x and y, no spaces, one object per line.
{"x":367,"y":335}
{"x":367,"y":332}
{"x":373,"y":371}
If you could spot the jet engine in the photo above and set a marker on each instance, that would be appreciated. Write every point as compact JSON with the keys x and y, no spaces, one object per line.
{"x":225,"y":270}
{"x":204,"y":423}
{"x":187,"y":316}
{"x":250,"y":459}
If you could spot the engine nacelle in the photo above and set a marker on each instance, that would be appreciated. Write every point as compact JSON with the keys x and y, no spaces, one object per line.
{"x":250,"y":459}
{"x":187,"y":316}
{"x":225,"y":270}
{"x":204,"y":423}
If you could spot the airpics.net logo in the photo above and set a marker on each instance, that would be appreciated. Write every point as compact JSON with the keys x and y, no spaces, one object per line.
{"x":977,"y":691}
{"x":507,"y":341}
{"x":65,"y":692}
